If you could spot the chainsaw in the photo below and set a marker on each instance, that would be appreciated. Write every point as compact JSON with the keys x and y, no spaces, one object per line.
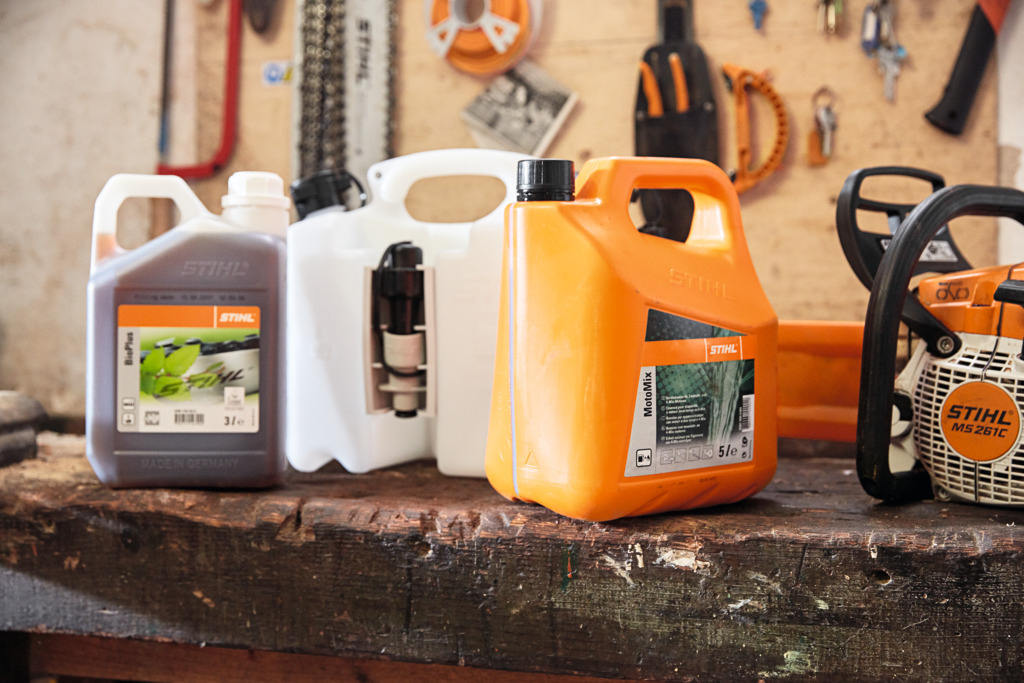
{"x":949,"y":425}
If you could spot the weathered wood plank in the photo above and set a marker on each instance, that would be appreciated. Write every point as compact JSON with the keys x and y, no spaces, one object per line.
{"x":120,"y":659}
{"x":809,"y":578}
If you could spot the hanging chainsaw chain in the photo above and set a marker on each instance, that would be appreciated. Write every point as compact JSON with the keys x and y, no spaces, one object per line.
{"x":345,"y":81}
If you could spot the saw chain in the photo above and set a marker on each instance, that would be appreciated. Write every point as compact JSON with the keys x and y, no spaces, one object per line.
{"x":344,"y":67}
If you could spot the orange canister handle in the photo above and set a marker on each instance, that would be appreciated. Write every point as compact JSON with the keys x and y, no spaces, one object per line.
{"x":612,"y":180}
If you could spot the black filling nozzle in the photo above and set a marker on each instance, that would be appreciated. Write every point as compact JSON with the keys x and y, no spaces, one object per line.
{"x":400,"y":283}
{"x":322,"y":190}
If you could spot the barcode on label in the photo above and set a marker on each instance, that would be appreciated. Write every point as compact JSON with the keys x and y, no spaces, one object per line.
{"x":747,"y":413}
{"x":188,"y":418}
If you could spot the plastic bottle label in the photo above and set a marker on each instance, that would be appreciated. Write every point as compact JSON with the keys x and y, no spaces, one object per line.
{"x":188,"y":369}
{"x":693,"y":415}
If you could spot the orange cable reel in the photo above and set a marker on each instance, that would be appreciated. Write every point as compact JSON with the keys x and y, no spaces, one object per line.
{"x":482,"y":37}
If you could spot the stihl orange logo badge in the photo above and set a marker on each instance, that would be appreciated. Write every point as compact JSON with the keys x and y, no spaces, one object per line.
{"x":981,"y":421}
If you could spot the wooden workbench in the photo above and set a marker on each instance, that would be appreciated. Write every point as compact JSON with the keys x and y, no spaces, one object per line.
{"x":810,"y":578}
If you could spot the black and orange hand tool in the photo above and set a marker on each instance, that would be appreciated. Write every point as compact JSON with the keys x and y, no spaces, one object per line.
{"x":676,"y":115}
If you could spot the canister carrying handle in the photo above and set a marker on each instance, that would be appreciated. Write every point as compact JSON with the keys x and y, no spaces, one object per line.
{"x":613,"y":180}
{"x":391,"y":180}
{"x":124,"y":186}
{"x":881,"y":330}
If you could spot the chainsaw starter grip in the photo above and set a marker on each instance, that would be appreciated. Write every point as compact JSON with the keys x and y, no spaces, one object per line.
{"x":881,"y":331}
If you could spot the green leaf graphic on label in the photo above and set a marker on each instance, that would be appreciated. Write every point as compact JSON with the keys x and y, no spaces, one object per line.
{"x":216,"y":367}
{"x":154,"y":362}
{"x":181,"y":360}
{"x":146,"y":383}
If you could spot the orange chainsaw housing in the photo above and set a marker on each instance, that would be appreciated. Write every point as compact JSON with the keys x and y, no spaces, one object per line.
{"x":964,"y":301}
{"x":579,"y":284}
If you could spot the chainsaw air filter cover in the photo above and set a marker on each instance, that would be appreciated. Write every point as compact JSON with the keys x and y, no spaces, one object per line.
{"x":972,"y":455}
{"x":951,"y":423}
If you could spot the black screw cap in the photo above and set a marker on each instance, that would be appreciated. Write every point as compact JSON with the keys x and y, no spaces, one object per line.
{"x":319,"y":191}
{"x":541,"y":180}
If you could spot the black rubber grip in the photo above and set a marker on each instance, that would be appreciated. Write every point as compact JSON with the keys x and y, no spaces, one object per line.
{"x":950,"y":114}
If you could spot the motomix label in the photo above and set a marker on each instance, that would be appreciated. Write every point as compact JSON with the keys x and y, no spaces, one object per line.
{"x":692,"y":416}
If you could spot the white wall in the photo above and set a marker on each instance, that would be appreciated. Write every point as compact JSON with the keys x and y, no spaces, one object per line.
{"x":79,"y":101}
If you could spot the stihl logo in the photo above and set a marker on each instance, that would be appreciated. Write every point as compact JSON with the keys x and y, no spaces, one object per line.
{"x":723,"y":348}
{"x":699,"y":283}
{"x":981,"y":421}
{"x":216,"y":269}
{"x":237,"y":318}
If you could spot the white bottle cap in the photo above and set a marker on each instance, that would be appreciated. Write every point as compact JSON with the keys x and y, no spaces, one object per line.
{"x":255,"y":188}
{"x":256,"y":201}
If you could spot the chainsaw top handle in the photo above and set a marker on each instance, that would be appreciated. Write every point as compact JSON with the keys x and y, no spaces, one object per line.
{"x":881,"y":330}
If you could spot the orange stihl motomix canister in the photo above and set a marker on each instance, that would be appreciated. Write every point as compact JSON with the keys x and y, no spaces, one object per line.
{"x":634,"y":374}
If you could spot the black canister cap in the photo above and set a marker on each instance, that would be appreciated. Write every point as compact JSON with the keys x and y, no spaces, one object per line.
{"x":319,"y":191}
{"x":546,"y":180}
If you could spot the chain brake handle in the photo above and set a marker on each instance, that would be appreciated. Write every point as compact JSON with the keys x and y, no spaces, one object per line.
{"x":738,"y":79}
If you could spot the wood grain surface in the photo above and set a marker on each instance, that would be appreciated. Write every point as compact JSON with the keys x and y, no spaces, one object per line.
{"x":810,"y":578}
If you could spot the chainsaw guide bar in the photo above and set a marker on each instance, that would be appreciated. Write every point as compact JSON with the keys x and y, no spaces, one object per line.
{"x":344,"y":65}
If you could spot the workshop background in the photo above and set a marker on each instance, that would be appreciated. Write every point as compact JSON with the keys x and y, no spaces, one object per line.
{"x":82,"y":90}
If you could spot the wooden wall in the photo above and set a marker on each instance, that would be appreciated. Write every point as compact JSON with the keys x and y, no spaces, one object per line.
{"x":593,"y":47}
{"x":98,"y":114}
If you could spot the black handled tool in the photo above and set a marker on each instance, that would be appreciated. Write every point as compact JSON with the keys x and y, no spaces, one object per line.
{"x":676,"y":115}
{"x":950,"y":114}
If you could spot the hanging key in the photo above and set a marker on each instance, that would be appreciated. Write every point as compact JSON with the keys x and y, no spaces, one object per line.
{"x":887,"y":22}
{"x":819,"y":146}
{"x":825,"y":119}
{"x":758,"y":8}
{"x":889,"y":60}
{"x":869,"y":37}
{"x":828,"y":15}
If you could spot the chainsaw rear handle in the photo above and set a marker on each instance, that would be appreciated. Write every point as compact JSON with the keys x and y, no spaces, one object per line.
{"x":864,"y":250}
{"x":881,"y":330}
